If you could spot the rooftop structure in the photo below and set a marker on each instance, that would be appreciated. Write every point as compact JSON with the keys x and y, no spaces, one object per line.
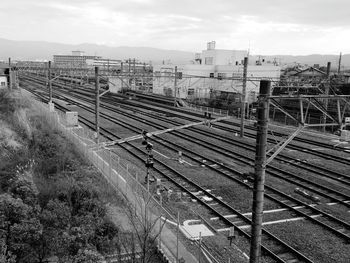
{"x":213,"y":71}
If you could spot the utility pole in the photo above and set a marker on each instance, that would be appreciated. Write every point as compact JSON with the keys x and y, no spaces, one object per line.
{"x":129,"y":80}
{"x":49,"y":81}
{"x":339,"y":63}
{"x":244,"y":94}
{"x":175,"y":86}
{"x":10,"y":77}
{"x":260,"y":166}
{"x":97,"y":106}
{"x":326,"y":92}
{"x":144,"y":75}
{"x":121,"y":75}
{"x":134,"y":69}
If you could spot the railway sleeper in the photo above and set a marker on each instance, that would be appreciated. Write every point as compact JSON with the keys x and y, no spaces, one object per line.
{"x":342,"y":230}
{"x":293,"y":260}
{"x":287,"y":257}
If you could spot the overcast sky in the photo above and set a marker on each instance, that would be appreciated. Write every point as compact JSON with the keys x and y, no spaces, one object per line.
{"x":269,"y":27}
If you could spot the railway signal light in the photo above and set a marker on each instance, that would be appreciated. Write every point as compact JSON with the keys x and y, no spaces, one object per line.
{"x":149,"y":146}
{"x":150,"y":160}
{"x":149,"y":163}
{"x":145,"y":137}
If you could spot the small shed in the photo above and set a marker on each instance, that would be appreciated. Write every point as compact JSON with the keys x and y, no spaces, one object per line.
{"x":3,"y":81}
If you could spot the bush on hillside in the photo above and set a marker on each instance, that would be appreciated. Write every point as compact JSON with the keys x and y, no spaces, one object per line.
{"x":50,"y":204}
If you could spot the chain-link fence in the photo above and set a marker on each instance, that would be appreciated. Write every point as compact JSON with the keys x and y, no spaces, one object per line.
{"x":127,"y":180}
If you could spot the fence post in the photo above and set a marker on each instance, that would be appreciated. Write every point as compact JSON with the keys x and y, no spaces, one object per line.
{"x":177,"y":237}
{"x":110,"y":163}
{"x":118,"y":173}
{"x":160,"y":232}
{"x":199,"y":247}
{"x":103,"y":162}
{"x":137,"y":183}
{"x":96,"y":160}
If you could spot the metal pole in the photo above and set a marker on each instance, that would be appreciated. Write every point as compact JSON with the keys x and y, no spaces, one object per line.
{"x":339,"y":63}
{"x":147,"y":178}
{"x":49,"y":81}
{"x":244,"y":91}
{"x":326,"y":91}
{"x":97,"y":106}
{"x":259,"y":180}
{"x":121,"y":75}
{"x":134,"y":69}
{"x":199,"y":247}
{"x":129,"y":62}
{"x":110,"y":163}
{"x":160,"y":232}
{"x":10,"y":77}
{"x":175,"y":86}
{"x":177,"y":237}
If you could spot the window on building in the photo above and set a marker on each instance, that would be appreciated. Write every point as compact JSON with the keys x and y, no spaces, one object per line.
{"x":209,"y":61}
{"x":221,"y":75}
{"x":211,"y":75}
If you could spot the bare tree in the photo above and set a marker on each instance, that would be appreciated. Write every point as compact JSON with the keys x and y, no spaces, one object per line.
{"x":140,"y":244}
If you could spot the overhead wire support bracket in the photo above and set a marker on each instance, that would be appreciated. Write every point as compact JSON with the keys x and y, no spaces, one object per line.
{"x":277,"y":105}
{"x":285,"y":143}
{"x":103,"y":93}
{"x":321,"y":108}
{"x":150,"y":134}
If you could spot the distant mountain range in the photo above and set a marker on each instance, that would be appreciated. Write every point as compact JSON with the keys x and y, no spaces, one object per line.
{"x":41,"y":50}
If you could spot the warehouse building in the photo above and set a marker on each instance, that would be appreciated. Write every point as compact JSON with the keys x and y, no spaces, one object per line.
{"x":213,"y":71}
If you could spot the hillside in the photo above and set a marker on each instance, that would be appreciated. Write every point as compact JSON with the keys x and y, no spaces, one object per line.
{"x":40,"y":50}
{"x":54,"y":205}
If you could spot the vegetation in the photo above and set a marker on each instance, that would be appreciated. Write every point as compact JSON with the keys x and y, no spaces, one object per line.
{"x":52,"y":203}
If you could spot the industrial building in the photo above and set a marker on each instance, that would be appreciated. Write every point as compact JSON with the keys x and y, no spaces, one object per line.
{"x":103,"y":63}
{"x":213,"y":71}
{"x":77,"y":60}
{"x":3,"y":76}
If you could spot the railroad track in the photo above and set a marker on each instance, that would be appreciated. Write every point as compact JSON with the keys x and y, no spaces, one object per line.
{"x":90,"y":92}
{"x":342,"y":178}
{"x":279,"y":134}
{"x":285,"y":175}
{"x":276,"y":249}
{"x":274,"y":192}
